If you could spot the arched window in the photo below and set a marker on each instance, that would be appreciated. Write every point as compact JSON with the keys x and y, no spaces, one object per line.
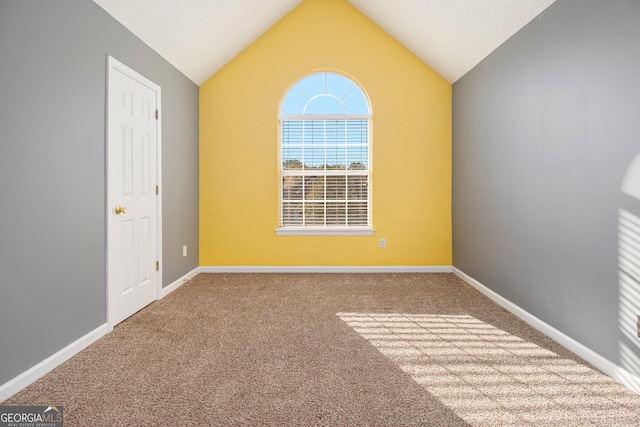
{"x":325,"y":157}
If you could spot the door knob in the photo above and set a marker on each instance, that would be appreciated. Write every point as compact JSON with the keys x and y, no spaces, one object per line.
{"x":120,"y":209}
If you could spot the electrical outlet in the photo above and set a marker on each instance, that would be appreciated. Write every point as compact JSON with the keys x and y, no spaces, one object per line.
{"x":184,"y":251}
{"x":383,"y":242}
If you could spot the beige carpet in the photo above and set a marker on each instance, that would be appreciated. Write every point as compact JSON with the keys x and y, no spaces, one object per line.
{"x":329,"y":349}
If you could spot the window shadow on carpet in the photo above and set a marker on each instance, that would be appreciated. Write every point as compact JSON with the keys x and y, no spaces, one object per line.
{"x":488,"y":376}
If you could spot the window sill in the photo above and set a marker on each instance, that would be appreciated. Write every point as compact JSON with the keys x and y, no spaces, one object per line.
{"x":325,"y":231}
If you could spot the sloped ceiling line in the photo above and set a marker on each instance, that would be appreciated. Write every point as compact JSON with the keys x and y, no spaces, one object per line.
{"x":199,"y":37}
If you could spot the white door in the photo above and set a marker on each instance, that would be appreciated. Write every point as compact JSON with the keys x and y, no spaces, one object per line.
{"x":133,"y":252}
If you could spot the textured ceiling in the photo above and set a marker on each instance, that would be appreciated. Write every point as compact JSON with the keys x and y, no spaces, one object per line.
{"x":199,"y":37}
{"x":451,"y":36}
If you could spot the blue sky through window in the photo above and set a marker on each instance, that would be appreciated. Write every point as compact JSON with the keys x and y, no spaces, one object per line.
{"x":325,"y":93}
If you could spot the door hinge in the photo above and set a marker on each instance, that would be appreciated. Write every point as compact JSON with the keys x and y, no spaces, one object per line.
{"x":157,"y":190}
{"x":156,"y":114}
{"x":157,"y":265}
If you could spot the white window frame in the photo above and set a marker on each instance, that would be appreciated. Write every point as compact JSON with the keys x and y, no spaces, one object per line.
{"x":326,"y":230}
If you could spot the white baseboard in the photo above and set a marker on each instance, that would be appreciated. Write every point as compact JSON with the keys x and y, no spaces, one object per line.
{"x":26,"y":378}
{"x":13,"y":386}
{"x":181,"y":281}
{"x":614,"y":371}
{"x":326,"y":269}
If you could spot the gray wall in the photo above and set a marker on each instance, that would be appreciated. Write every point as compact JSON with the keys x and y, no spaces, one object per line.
{"x":544,"y":131}
{"x":52,"y":171}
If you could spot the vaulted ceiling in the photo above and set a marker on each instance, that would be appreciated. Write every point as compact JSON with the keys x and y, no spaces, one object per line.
{"x":199,"y":37}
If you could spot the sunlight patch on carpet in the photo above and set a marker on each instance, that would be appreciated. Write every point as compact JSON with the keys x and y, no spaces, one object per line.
{"x":489,"y":376}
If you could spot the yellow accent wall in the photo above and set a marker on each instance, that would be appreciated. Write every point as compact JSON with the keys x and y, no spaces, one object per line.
{"x":411,"y":143}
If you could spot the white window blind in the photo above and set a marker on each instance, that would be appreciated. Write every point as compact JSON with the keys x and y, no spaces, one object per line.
{"x":325,"y":176}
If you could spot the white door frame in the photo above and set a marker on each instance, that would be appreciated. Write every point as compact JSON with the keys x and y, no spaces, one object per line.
{"x":113,"y":65}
